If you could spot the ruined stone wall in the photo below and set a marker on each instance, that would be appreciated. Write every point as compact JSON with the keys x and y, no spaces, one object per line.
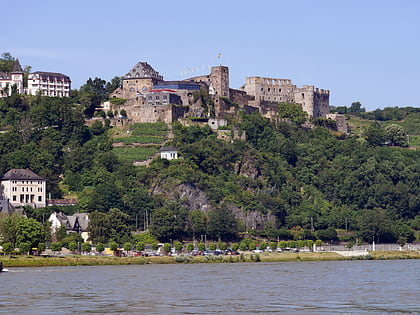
{"x":240,"y":97}
{"x":340,"y":120}
{"x":314,"y":101}
{"x":269,"y":89}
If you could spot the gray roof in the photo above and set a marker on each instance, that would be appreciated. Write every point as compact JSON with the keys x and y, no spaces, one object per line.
{"x":72,"y":222}
{"x":21,"y":174}
{"x":143,"y":70}
{"x":16,"y":66}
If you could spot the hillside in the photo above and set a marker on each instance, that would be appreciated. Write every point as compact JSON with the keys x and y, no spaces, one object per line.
{"x":282,"y":182}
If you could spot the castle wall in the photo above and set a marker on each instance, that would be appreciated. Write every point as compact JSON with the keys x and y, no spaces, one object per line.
{"x":134,"y":86}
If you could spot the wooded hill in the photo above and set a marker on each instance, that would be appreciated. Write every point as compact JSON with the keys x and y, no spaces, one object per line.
{"x":282,"y":182}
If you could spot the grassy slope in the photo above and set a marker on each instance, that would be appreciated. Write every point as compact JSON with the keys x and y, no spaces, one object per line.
{"x":138,"y":142}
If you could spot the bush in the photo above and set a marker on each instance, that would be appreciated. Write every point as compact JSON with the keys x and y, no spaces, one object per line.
{"x":113,"y":246}
{"x":273,"y":245}
{"x":212,"y":246}
{"x":201,"y":247}
{"x":7,"y":248}
{"x":140,"y":246}
{"x":100,"y":247}
{"x":235,"y":246}
{"x":86,"y":247}
{"x":178,"y":246}
{"x":167,"y":247}
{"x":190,"y":247}
{"x":72,"y":246}
{"x":56,"y":247}
{"x":127,"y":246}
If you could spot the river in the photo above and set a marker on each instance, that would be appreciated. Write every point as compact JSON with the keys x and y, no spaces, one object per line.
{"x":337,"y":287}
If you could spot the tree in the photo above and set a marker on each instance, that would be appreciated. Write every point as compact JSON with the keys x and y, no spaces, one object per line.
{"x":198,"y":222}
{"x":86,"y":247}
{"x":100,"y":247}
{"x":292,"y":112}
{"x":7,"y":248}
{"x":356,"y":107}
{"x":190,"y":247}
{"x":396,"y":135}
{"x":375,"y":134}
{"x":56,"y":247}
{"x":127,"y":246}
{"x":222,"y":224}
{"x":72,"y":246}
{"x":113,"y":246}
{"x":24,"y":247}
{"x":178,"y":246}
{"x":374,"y":224}
{"x":167,"y":247}
{"x":164,"y":222}
{"x":140,"y":246}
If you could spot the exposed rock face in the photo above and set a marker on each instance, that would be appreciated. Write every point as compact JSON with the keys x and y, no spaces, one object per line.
{"x":190,"y":195}
{"x":247,"y":168}
{"x":252,"y":219}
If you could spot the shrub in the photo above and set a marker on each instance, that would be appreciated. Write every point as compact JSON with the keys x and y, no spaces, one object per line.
{"x":190,"y":247}
{"x":201,"y":246}
{"x":56,"y":247}
{"x":140,"y":246}
{"x":100,"y":247}
{"x":86,"y":247}
{"x":127,"y":246}
{"x":212,"y":246}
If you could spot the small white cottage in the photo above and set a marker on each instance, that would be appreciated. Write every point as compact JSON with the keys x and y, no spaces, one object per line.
{"x":169,"y":153}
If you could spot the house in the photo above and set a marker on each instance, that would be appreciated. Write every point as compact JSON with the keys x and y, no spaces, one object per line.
{"x":22,"y":187}
{"x":169,"y":153}
{"x":76,"y":223}
{"x":49,"y":84}
{"x":7,"y":80}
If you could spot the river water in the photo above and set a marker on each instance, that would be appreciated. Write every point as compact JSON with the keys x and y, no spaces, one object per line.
{"x":337,"y":287}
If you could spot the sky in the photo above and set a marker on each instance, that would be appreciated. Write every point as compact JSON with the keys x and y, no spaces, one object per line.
{"x":360,"y":50}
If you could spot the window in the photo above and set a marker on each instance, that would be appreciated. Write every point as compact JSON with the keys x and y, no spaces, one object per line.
{"x":14,"y":198}
{"x":39,"y":198}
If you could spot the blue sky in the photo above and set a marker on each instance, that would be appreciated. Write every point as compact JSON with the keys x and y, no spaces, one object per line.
{"x":365,"y":51}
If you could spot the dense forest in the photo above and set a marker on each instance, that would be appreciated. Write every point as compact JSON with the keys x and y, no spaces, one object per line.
{"x":283,"y":182}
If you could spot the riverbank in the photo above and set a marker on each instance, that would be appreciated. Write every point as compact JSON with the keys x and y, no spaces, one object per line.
{"x":79,"y":260}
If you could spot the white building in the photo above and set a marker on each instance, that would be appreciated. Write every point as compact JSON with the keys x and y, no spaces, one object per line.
{"x":22,"y":187}
{"x":76,"y":223}
{"x":7,"y":80}
{"x":169,"y":153}
{"x":49,"y":84}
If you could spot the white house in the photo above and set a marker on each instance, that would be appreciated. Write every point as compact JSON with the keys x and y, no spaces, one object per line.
{"x":169,"y":153}
{"x":49,"y":84}
{"x":7,"y":80}
{"x":76,"y":223}
{"x":22,"y":187}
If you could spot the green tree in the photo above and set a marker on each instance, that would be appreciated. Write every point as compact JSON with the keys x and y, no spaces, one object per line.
{"x":396,"y":135}
{"x":178,"y":246}
{"x":7,"y":248}
{"x":201,"y":247}
{"x":374,"y":224}
{"x":113,"y":246}
{"x":375,"y":134}
{"x":127,"y":246}
{"x":292,"y":112}
{"x":167,"y":247}
{"x":72,"y":246}
{"x":140,"y":246}
{"x":100,"y":247}
{"x":24,"y":247}
{"x":86,"y":247}
{"x":56,"y":247}
{"x":222,"y":224}
{"x":190,"y":247}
